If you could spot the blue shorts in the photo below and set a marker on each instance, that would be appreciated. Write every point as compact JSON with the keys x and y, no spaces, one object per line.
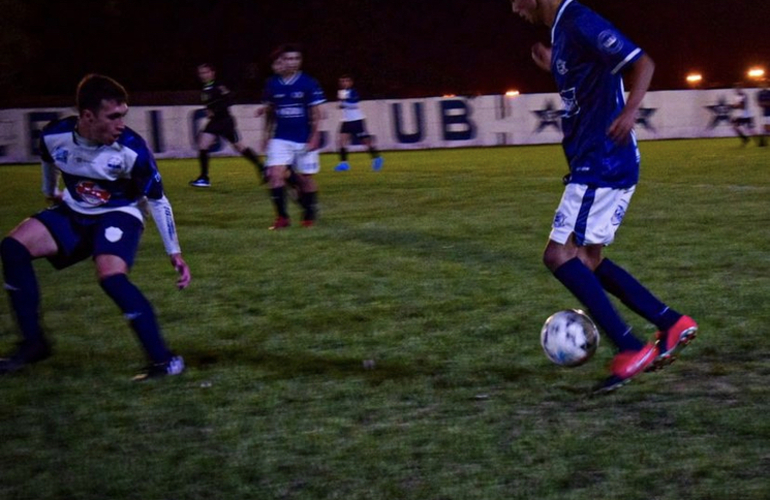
{"x":81,"y":236}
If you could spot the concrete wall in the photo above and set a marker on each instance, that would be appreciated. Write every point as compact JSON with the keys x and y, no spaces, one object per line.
{"x":404,"y":124}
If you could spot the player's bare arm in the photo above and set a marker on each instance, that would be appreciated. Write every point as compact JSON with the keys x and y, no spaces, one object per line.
{"x":639,"y":77}
{"x":542,"y":56}
{"x":314,"y":141}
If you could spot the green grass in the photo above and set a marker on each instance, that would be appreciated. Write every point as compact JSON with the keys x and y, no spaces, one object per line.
{"x":431,"y":268}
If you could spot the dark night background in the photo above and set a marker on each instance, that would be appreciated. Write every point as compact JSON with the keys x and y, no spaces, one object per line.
{"x":394,"y":48}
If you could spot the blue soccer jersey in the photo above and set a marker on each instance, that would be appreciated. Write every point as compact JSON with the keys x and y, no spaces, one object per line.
{"x":292,"y":99}
{"x":587,"y":60}
{"x":99,"y":178}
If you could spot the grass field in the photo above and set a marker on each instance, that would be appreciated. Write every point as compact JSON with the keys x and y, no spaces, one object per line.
{"x":392,"y":352}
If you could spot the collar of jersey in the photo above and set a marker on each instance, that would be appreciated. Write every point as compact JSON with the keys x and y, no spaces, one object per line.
{"x":293,"y":79}
{"x":558,"y":16}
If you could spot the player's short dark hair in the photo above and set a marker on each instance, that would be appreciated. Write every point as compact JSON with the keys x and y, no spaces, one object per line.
{"x":208,"y":65}
{"x":284,"y":48}
{"x":93,"y":89}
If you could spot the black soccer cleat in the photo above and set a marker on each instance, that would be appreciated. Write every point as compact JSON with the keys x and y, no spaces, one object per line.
{"x":173,"y":366}
{"x":29,"y":352}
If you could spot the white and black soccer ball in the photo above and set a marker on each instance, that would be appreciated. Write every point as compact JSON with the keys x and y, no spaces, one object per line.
{"x":569,"y":337}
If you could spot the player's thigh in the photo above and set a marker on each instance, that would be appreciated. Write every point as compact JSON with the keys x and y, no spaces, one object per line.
{"x":35,"y":237}
{"x":280,"y":153}
{"x":206,"y":140}
{"x":117,"y":234}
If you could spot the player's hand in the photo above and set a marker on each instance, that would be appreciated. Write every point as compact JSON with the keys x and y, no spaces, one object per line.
{"x":313,"y":143}
{"x":620,"y":130}
{"x":542,"y":56}
{"x":182,"y":269}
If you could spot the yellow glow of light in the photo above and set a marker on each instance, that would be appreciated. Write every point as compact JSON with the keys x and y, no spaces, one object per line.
{"x":693,"y":78}
{"x":449,"y":95}
{"x":512,"y":93}
{"x":756,"y":73}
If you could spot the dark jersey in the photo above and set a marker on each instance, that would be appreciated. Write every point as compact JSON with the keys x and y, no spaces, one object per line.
{"x":217,"y":99}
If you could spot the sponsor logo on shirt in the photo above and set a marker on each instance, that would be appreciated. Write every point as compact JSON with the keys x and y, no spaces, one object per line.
{"x":91,"y":193}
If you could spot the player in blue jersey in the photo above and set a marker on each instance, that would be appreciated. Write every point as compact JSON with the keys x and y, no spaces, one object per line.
{"x":588,"y":58}
{"x":217,"y":99}
{"x":110,"y":178}
{"x":292,"y":138}
{"x":353,"y":125}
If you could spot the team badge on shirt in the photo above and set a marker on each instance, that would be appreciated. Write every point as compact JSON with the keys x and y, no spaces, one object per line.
{"x":610,"y":42}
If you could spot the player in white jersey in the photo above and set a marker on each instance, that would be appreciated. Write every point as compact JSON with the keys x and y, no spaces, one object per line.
{"x":353,"y":124}
{"x":110,"y":179}
{"x":588,"y":59}
{"x":743,"y":123}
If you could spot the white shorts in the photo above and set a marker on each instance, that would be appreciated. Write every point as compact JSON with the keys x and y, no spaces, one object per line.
{"x":592,"y":214}
{"x":293,"y":154}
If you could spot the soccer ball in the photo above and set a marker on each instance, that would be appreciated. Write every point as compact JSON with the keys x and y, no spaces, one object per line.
{"x":569,"y":337}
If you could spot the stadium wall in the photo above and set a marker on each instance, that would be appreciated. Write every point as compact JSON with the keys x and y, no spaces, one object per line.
{"x":437,"y":122}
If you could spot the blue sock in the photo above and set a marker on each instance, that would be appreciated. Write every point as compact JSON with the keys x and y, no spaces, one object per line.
{"x":137,"y":309}
{"x":21,"y":284}
{"x":586,"y":287}
{"x":635,"y":296}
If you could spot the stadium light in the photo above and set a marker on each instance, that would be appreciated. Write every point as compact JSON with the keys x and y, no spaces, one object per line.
{"x":694,"y":79}
{"x":512,"y":93}
{"x":756,"y":73}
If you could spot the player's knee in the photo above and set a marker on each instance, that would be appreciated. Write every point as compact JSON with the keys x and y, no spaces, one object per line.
{"x":13,"y":252}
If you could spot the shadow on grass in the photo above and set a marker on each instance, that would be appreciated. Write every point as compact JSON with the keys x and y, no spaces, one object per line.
{"x":465,"y":251}
{"x":275,"y":366}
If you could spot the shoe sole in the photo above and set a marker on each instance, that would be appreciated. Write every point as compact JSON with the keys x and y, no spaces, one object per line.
{"x":665,"y":359}
{"x":607,"y":388}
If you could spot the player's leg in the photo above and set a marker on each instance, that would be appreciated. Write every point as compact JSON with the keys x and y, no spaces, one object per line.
{"x":231,"y":134}
{"x":308,"y":164}
{"x":567,"y":262}
{"x":28,"y":241}
{"x":280,"y":154}
{"x":344,"y":140}
{"x":116,"y":239}
{"x":377,"y":160}
{"x":252,"y":156}
{"x":205,"y":141}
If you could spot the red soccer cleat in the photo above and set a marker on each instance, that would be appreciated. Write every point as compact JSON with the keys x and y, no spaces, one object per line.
{"x":280,"y":223}
{"x":627,"y":365}
{"x":672,"y":341}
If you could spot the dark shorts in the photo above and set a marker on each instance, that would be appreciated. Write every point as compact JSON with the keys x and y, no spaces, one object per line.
{"x":223,"y":127}
{"x":81,"y":236}
{"x":356,"y":129}
{"x":748,"y":122}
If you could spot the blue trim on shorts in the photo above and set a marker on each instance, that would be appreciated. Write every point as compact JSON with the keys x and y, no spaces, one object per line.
{"x":581,"y":223}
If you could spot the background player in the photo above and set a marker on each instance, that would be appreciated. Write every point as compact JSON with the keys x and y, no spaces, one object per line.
{"x":292,"y":137}
{"x":763,"y":99}
{"x":743,"y":124}
{"x":588,"y":58}
{"x":108,"y":173}
{"x":217,"y":99}
{"x":353,"y":125}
